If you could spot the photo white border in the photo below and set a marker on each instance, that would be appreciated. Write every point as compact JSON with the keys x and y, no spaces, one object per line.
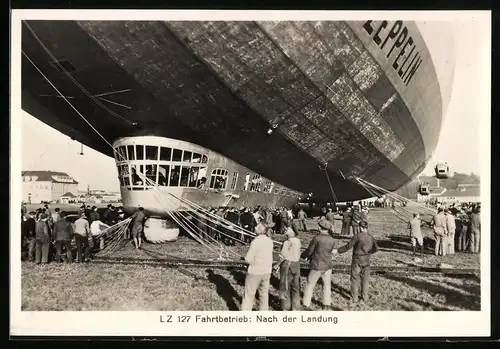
{"x":131,"y":323}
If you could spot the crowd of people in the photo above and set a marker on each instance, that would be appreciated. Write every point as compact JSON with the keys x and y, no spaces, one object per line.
{"x":455,"y":229}
{"x":43,"y":230}
{"x":320,"y":253}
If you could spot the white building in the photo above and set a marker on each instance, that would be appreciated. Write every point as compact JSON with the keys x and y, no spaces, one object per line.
{"x":46,"y":186}
{"x":460,"y":195}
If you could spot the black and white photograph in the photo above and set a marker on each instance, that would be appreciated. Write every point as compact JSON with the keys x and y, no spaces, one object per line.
{"x":269,"y":169}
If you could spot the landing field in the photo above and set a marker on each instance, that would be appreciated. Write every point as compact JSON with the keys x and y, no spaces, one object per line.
{"x":144,"y":287}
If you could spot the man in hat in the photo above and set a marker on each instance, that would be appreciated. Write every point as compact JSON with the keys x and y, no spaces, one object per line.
{"x":260,"y":260}
{"x":319,"y":253}
{"x":363,"y":245}
{"x":289,"y":265}
{"x":42,"y":236}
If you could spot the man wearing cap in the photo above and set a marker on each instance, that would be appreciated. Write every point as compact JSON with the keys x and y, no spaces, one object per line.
{"x":260,"y":260}
{"x":289,"y":266}
{"x":363,"y":245}
{"x":319,"y":253}
{"x":42,"y":236}
{"x":82,"y":237}
{"x":63,"y":233}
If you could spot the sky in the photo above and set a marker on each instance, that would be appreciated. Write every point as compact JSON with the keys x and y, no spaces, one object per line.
{"x":44,"y":148}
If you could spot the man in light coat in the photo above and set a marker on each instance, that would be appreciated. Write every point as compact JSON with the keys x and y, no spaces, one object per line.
{"x":260,"y":265}
{"x":450,"y":227}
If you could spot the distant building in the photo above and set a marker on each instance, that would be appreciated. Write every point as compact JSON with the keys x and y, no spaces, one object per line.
{"x":46,"y":186}
{"x":466,"y":193}
{"x":68,"y":198}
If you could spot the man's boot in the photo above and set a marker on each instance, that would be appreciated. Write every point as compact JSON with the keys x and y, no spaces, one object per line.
{"x":422,"y":251}
{"x":414,"y":251}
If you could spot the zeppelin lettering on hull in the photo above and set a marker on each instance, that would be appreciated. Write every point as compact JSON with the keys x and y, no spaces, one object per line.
{"x":395,"y":40}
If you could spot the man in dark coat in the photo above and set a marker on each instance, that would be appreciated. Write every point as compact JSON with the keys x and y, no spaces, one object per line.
{"x":356,"y":219}
{"x":363,"y":245}
{"x":346,"y":221}
{"x":29,"y":235}
{"x":42,"y":236}
{"x":319,"y":253}
{"x":63,"y":233}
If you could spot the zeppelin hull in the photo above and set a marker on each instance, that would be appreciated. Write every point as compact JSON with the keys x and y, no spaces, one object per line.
{"x":329,"y":91}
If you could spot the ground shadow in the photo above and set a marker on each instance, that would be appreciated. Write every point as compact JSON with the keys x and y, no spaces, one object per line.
{"x":472,"y":289}
{"x":453,"y":297}
{"x":403,"y":243}
{"x":224,"y":289}
{"x":320,"y":305}
{"x":427,"y":305}
{"x":274,"y":302}
{"x":341,"y":291}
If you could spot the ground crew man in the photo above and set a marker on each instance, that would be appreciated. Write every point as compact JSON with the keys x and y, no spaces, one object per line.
{"x":82,"y":237}
{"x":330,"y":217}
{"x":260,"y":266}
{"x":301,"y":216}
{"x":42,"y":236}
{"x":137,"y":227}
{"x":475,"y":227}
{"x":462,"y":237}
{"x":346,"y":221}
{"x":363,"y":245}
{"x":356,"y":219}
{"x":415,"y":226}
{"x":319,"y":252}
{"x":30,"y":236}
{"x":440,"y":233}
{"x":289,"y":265}
{"x":285,"y":221}
{"x":63,"y":233}
{"x":450,"y":228}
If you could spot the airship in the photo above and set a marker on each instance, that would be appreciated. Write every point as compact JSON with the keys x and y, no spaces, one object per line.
{"x":234,"y":114}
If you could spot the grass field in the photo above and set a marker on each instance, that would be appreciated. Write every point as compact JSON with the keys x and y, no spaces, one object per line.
{"x":140,"y":287}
